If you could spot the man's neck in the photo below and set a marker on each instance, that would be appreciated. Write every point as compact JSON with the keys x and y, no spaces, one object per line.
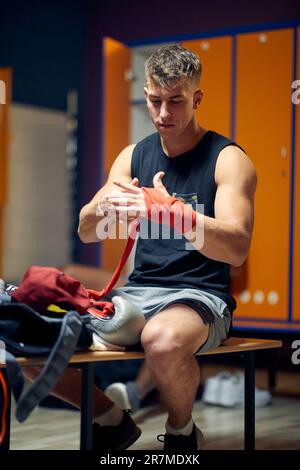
{"x":174,"y":147}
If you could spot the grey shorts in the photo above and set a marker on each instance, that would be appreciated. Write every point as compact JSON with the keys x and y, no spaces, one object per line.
{"x":212,"y":309}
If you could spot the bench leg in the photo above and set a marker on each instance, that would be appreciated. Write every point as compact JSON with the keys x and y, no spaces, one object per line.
{"x":249,"y":358}
{"x":6,"y":441}
{"x":87,"y":406}
{"x":272,"y":369}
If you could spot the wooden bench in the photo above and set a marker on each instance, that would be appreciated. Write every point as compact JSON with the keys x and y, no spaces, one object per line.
{"x":245,"y":347}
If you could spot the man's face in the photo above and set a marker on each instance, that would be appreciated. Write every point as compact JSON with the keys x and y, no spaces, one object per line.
{"x":172,"y":109}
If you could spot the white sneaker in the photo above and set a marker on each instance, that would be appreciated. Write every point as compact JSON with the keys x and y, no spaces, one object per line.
{"x":212,"y":387}
{"x":117,"y":392}
{"x":232,"y":393}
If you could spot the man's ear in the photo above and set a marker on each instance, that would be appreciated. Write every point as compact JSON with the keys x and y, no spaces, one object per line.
{"x":146,"y":92}
{"x":197,"y":98}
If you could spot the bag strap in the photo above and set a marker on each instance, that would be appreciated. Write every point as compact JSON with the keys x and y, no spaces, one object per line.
{"x":55,"y":365}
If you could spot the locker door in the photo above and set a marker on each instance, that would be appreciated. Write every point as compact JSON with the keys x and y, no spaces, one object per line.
{"x":296,"y":290}
{"x":263,"y":129}
{"x":116,"y":96}
{"x":5,"y":101}
{"x":216,"y":57}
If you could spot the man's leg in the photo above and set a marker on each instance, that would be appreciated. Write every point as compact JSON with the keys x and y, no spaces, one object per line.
{"x":131,"y":393}
{"x":170,"y":339}
{"x":144,"y":380}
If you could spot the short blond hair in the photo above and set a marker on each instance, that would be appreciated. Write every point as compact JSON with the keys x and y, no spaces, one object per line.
{"x":171,"y":64}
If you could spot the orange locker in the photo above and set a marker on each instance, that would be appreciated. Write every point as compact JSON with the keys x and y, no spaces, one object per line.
{"x":116,"y":95}
{"x":263,"y":128}
{"x":216,"y":57}
{"x":5,"y":101}
{"x":296,"y":260}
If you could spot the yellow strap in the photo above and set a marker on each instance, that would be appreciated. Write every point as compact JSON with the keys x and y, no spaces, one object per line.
{"x":56,"y":308}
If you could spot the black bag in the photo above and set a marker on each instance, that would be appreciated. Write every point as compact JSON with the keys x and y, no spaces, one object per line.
{"x":26,"y":332}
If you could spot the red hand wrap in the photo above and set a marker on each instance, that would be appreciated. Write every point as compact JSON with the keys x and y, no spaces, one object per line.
{"x":169,"y":210}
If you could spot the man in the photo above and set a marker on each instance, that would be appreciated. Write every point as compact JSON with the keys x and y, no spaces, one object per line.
{"x":182,"y":284}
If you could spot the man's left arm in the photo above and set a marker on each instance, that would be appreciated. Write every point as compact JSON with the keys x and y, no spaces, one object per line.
{"x":227,"y":237}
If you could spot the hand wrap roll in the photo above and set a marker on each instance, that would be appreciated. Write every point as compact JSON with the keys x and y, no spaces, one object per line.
{"x":169,"y":210}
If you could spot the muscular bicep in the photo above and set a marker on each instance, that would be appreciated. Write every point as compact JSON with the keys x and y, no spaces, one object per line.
{"x":236,"y":184}
{"x":234,"y":205}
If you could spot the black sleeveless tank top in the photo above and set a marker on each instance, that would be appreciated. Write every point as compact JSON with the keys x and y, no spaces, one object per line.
{"x":191,"y":178}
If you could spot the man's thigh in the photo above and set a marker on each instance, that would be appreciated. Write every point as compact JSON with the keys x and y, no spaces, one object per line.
{"x":177,"y":322}
{"x":201,"y":334}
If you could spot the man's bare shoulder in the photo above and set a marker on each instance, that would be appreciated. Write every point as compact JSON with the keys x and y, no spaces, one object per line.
{"x":129,"y":149}
{"x":235,"y":167}
{"x":126,"y":152}
{"x":122,"y":164}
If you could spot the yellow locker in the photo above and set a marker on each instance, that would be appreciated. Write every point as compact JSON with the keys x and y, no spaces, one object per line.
{"x":216,"y":57}
{"x":116,"y":94}
{"x":263,"y":128}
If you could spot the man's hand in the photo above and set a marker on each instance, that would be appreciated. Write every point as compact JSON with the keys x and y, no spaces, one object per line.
{"x":158,"y":184}
{"x":105,"y":204}
{"x":154,"y":204}
{"x":129,"y":201}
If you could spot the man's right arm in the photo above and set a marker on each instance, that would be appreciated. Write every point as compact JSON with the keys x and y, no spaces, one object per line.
{"x":88,"y":220}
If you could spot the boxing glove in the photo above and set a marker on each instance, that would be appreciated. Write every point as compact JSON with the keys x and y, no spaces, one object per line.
{"x":125,"y":326}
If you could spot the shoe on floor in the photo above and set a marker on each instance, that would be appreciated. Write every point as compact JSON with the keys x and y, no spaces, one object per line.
{"x":213,"y":386}
{"x":125,"y":396}
{"x":108,"y":438}
{"x":181,"y":443}
{"x":232,"y":393}
{"x":225,"y":389}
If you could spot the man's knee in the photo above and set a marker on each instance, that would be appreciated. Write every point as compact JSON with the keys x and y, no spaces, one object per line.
{"x":164,"y":343}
